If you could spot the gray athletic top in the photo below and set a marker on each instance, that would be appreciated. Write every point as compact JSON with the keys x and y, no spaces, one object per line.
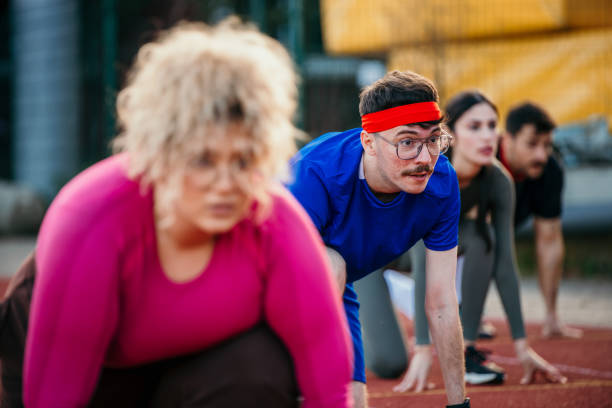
{"x":489,"y":253}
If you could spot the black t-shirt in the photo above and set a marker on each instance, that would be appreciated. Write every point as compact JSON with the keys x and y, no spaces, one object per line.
{"x":540,"y":197}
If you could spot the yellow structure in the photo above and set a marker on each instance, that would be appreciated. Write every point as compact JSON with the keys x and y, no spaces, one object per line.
{"x":570,"y":74}
{"x":361,"y":27}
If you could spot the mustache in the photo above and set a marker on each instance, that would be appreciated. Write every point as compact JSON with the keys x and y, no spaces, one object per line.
{"x":424,"y":168}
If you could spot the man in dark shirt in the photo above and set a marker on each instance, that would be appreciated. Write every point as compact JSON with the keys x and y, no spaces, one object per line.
{"x":526,"y":151}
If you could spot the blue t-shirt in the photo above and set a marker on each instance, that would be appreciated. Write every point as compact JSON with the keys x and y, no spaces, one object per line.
{"x":365,"y":231}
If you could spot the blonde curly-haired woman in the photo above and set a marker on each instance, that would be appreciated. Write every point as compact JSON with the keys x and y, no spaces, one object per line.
{"x":178,"y":272}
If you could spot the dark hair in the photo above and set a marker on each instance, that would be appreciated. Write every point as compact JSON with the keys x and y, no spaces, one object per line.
{"x":396,"y":88}
{"x":528,"y":113}
{"x":462,"y":102}
{"x":455,"y":108}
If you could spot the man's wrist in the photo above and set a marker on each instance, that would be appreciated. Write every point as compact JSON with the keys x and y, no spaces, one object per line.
{"x":422,"y":347}
{"x":464,"y":404}
{"x":521,"y":347}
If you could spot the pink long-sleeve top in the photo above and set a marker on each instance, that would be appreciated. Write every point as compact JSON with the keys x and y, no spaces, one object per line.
{"x":101,"y":297}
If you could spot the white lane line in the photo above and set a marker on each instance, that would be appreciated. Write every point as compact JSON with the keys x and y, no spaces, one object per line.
{"x":562,"y":367}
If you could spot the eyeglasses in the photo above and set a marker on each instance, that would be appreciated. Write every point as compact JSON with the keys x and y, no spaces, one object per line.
{"x":205,"y":170}
{"x":408,"y":149}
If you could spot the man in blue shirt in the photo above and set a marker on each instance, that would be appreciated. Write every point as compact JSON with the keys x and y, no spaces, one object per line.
{"x":374,"y":191}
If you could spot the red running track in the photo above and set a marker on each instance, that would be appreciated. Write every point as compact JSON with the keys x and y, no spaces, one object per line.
{"x":586,"y":362}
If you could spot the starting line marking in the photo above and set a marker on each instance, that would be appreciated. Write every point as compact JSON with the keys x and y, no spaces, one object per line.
{"x":562,"y":367}
{"x":499,"y":388}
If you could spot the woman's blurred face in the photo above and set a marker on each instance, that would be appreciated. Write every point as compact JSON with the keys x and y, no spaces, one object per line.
{"x":476,"y":135}
{"x":218,"y":183}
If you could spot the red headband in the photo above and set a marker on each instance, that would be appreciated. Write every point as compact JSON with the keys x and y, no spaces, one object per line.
{"x":400,"y":115}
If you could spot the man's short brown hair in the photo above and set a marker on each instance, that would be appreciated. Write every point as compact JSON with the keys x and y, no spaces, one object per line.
{"x":528,"y":113}
{"x":396,"y":88}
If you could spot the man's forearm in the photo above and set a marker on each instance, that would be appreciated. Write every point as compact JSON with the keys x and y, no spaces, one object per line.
{"x":446,"y":334}
{"x":549,"y":252}
{"x":550,"y":261}
{"x":338,"y":267}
